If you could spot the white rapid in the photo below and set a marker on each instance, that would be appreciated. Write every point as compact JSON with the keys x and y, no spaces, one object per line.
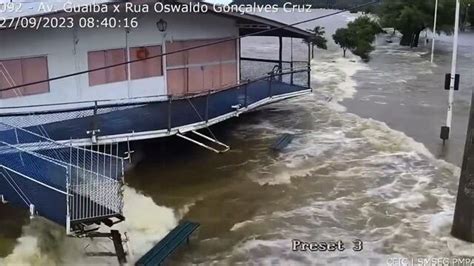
{"x":348,"y":178}
{"x":45,"y":244}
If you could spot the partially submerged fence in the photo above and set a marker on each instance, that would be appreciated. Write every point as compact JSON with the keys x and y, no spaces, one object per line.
{"x":65,"y":184}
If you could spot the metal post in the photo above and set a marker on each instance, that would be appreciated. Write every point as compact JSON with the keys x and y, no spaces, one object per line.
{"x":207,"y":106}
{"x":95,"y":122}
{"x":170,"y":100}
{"x":291,"y":61}
{"x":246,"y":95}
{"x":240,"y":59}
{"x":445,"y":130}
{"x":32,"y":211}
{"x":270,"y":92}
{"x":463,"y":223}
{"x":280,"y":55}
{"x":291,"y":76}
{"x":68,"y":191}
{"x":309,"y":66}
{"x":434,"y":31}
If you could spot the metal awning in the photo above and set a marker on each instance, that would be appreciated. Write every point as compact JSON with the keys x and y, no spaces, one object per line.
{"x":251,"y":24}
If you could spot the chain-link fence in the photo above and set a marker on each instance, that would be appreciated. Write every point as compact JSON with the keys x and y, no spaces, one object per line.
{"x":81,"y":184}
{"x":161,"y":115}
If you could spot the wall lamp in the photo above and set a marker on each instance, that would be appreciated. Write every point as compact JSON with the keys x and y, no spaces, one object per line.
{"x":162,"y":25}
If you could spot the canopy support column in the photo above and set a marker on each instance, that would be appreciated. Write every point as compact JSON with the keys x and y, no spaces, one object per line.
{"x":240,"y":59}
{"x":309,"y":66}
{"x":280,"y":55}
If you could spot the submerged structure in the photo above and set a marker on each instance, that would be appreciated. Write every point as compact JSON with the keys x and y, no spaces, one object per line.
{"x":73,"y":187}
{"x":68,"y":95}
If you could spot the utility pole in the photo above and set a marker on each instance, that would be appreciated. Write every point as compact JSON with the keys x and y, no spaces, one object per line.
{"x":434,"y":31}
{"x":463,"y":223}
{"x":445,"y":130}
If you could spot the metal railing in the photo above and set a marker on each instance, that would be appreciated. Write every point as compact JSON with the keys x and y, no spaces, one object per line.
{"x":252,"y":88}
{"x":257,"y":67}
{"x":92,"y":178}
{"x":96,"y":182}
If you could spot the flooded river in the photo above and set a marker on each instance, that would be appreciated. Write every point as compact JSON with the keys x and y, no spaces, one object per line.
{"x":366,"y":163}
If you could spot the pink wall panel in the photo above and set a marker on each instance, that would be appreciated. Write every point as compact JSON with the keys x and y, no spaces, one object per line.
{"x":35,"y":69}
{"x":96,"y":60}
{"x":119,"y":73}
{"x":228,"y":51}
{"x":229,"y":74}
{"x":205,"y":54}
{"x":177,"y":59}
{"x":204,"y":66}
{"x":22,"y":71}
{"x":177,"y":81}
{"x":196,"y":79}
{"x":147,"y":68}
{"x":10,"y":75}
{"x":212,"y":77}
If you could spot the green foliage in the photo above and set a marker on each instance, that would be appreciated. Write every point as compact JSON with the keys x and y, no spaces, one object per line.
{"x":363,"y":49}
{"x":410,"y":17}
{"x":344,"y":39}
{"x":317,"y":38}
{"x":358,"y":37}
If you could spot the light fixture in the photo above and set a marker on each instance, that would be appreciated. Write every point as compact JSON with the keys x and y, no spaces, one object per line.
{"x":162,"y":25}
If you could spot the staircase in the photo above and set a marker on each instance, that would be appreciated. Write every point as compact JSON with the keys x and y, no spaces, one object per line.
{"x":73,"y":187}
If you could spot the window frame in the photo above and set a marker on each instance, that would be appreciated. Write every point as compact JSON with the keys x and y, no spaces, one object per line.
{"x":128,"y":67}
{"x":162,"y":70}
{"x":22,"y":59}
{"x":105,"y":64}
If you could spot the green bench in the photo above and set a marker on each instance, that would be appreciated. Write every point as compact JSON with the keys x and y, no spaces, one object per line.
{"x":282,"y":142}
{"x":168,"y":245}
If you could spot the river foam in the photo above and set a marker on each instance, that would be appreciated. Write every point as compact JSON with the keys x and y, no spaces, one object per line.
{"x":44,"y":243}
{"x":351,"y":178}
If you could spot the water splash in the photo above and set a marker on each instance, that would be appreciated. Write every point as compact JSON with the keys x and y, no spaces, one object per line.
{"x":44,"y":243}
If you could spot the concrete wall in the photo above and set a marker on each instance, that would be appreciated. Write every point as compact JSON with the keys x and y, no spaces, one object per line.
{"x":67,"y":50}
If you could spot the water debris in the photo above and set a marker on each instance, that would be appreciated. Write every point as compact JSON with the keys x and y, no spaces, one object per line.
{"x":282,"y":142}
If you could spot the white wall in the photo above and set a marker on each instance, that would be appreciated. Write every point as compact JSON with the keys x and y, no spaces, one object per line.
{"x":65,"y":55}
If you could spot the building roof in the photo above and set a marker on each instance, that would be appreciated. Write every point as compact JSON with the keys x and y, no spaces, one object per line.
{"x":31,"y":9}
{"x":248,"y":23}
{"x":252,"y":24}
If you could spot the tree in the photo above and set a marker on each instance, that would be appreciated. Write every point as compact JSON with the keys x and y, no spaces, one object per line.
{"x":317,"y":39}
{"x":364,"y":31}
{"x":363,"y":49}
{"x":358,"y":37}
{"x":410,"y":17}
{"x":343,"y":38}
